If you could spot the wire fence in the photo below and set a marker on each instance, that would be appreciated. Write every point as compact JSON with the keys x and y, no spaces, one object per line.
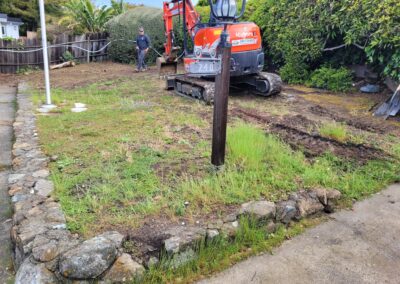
{"x":20,"y":54}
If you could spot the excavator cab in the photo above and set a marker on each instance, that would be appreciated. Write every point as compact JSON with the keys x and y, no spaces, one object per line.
{"x":224,"y":9}
{"x":203,"y":63}
{"x":221,"y":10}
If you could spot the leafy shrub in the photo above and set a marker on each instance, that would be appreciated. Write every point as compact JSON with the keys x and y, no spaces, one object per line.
{"x":124,"y":29}
{"x":204,"y":12}
{"x":67,"y":56}
{"x":84,"y":16}
{"x":8,"y":38}
{"x":26,"y":70}
{"x":364,"y":31}
{"x":337,"y":80}
{"x":294,"y":73}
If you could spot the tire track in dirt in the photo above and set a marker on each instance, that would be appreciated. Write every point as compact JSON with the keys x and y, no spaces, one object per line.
{"x":292,"y":130}
{"x":356,"y":122}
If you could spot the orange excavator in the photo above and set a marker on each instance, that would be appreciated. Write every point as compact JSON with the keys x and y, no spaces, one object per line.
{"x":203,"y":63}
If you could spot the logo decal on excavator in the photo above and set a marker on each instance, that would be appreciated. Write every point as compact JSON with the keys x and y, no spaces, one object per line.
{"x":244,"y":34}
{"x":244,"y":41}
{"x":208,"y":49}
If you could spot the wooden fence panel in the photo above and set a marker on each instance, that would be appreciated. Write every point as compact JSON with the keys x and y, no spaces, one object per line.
{"x":11,"y":62}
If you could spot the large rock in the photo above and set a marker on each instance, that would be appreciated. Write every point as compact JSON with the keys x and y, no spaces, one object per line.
{"x":13,"y":178}
{"x":181,"y":242}
{"x":44,"y":187}
{"x":173,"y":244}
{"x":182,"y":237}
{"x":89,"y":259}
{"x":39,"y":219}
{"x":327,"y":196}
{"x":15,"y":189}
{"x":286,"y":211}
{"x":261,"y":210}
{"x":124,"y":269}
{"x":211,"y":234}
{"x":34,"y":273}
{"x":183,"y":257}
{"x":51,"y":244}
{"x":307,"y":203}
{"x":43,"y":173}
{"x":229,"y":229}
{"x":114,"y":237}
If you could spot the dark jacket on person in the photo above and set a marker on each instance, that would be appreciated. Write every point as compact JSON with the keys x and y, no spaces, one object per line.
{"x":143,"y":41}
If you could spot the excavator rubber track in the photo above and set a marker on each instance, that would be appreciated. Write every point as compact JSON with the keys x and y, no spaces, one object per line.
{"x":191,"y":87}
{"x":262,"y":84}
{"x":274,"y":81}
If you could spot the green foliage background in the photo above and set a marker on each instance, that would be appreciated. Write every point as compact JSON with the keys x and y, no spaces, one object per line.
{"x":125,"y":27}
{"x":28,"y":10}
{"x":296,"y":34}
{"x":299,"y":36}
{"x":338,"y":80}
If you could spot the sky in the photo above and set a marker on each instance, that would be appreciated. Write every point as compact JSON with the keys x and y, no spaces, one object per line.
{"x":154,"y":3}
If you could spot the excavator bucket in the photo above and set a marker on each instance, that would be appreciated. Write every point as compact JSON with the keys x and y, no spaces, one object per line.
{"x":390,"y":107}
{"x":166,"y":68}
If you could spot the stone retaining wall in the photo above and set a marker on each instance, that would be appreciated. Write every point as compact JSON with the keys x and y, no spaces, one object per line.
{"x":46,"y":252}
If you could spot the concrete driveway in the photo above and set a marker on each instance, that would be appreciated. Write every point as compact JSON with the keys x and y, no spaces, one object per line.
{"x":7,"y":113}
{"x":358,"y":246}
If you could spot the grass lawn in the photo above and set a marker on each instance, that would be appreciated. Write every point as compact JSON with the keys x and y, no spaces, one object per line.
{"x":140,"y":152}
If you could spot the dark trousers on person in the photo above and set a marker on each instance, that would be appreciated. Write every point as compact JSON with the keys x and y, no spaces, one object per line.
{"x":140,"y":62}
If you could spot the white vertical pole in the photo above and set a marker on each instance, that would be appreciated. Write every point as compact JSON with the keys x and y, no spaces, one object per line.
{"x":45,"y":55}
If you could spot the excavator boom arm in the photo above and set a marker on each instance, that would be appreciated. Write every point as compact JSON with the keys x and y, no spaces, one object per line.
{"x":190,"y":16}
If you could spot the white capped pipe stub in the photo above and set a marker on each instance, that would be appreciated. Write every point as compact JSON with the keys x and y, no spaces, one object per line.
{"x":79,"y":107}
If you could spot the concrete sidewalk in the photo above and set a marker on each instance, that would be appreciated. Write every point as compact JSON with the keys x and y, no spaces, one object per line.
{"x":7,"y":113}
{"x":359,"y":246}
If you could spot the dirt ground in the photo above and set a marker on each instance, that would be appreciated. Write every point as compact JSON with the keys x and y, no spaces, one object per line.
{"x":81,"y":75}
{"x":8,"y":80}
{"x":295,"y":116}
{"x":304,"y":109}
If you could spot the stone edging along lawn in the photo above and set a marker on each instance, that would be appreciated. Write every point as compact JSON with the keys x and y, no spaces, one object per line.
{"x":46,"y":252}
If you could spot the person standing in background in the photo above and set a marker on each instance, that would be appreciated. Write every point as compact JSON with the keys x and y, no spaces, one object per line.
{"x":142,"y":47}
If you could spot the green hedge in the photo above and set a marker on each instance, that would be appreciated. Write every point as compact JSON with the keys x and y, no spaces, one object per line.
{"x":125,"y":27}
{"x":337,"y":80}
{"x":307,"y":34}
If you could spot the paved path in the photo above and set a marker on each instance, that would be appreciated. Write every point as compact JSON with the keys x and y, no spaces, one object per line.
{"x":359,"y":246}
{"x":7,"y":111}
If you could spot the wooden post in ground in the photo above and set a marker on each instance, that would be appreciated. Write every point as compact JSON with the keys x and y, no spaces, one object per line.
{"x":222,"y":82}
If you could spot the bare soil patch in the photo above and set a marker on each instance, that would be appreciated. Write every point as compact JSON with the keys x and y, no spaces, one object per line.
{"x":81,"y":75}
{"x":8,"y":80}
{"x":363,"y":123}
{"x":293,"y":130}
